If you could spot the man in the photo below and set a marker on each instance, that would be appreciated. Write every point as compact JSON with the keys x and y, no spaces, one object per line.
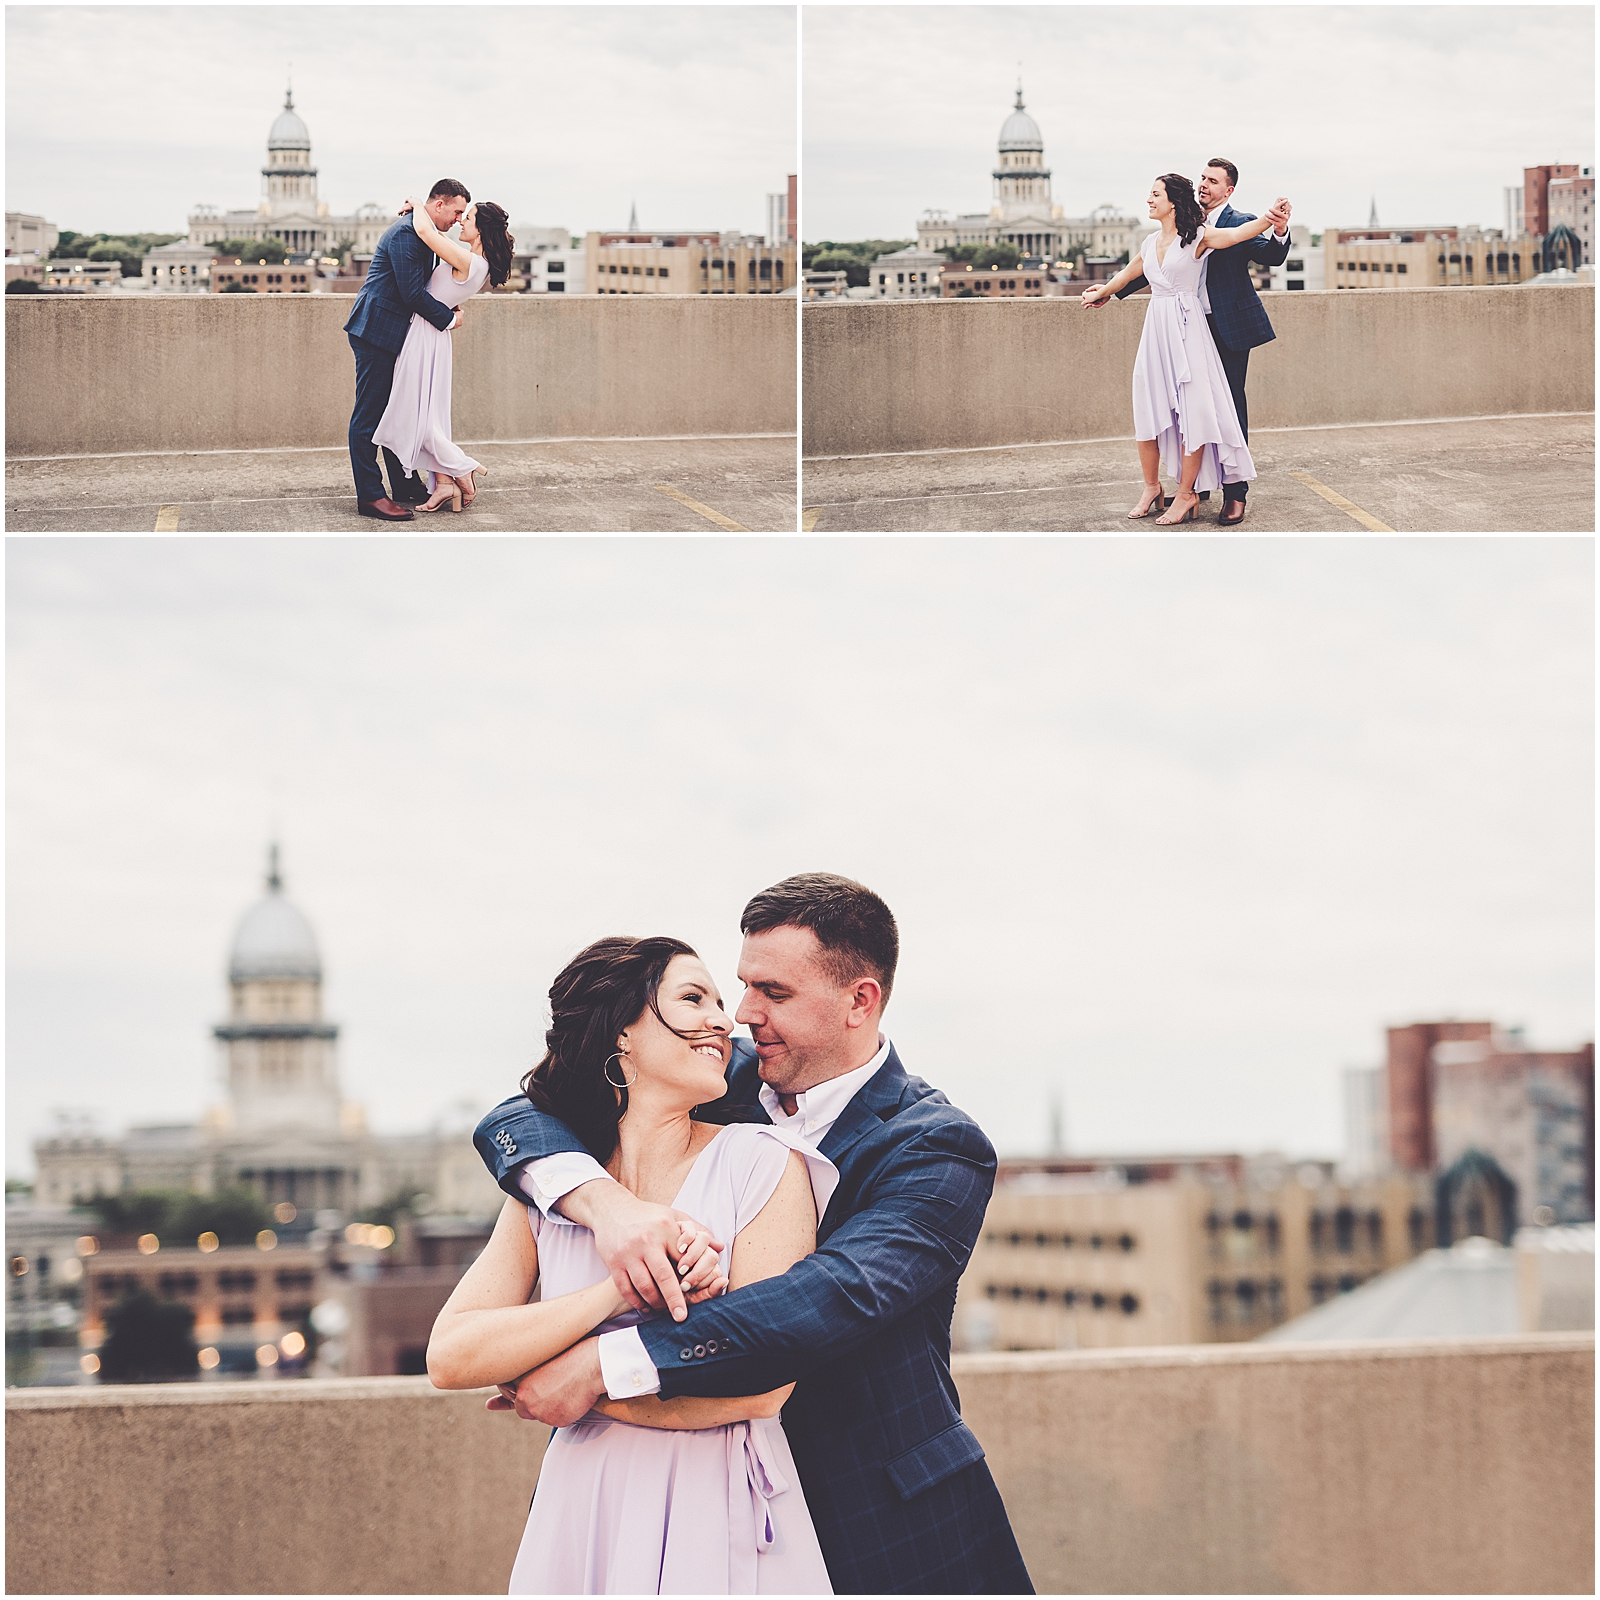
{"x":897,"y":1486}
{"x":396,"y":285}
{"x":1235,"y":315}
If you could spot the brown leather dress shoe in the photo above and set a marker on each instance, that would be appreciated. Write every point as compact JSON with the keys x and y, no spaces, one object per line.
{"x":1232,"y":514}
{"x":385,"y":511}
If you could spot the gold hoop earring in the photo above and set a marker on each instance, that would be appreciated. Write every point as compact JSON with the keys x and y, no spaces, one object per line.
{"x":621,"y":1055}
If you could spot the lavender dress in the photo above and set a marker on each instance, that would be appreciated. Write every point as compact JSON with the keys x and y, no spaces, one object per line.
{"x":627,"y":1510}
{"x":1180,"y":392}
{"x":416,"y":422}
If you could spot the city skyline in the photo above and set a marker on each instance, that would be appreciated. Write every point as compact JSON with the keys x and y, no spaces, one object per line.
{"x":1372,"y":108}
{"x":1172,"y":830}
{"x":119,"y":119}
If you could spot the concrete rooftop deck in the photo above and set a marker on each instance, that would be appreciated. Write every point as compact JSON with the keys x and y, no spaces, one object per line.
{"x":557,"y":486}
{"x":1522,"y":474}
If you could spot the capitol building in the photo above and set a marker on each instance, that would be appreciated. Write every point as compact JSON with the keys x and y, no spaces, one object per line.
{"x":284,"y":1130}
{"x":289,"y":208}
{"x":1022,"y":212}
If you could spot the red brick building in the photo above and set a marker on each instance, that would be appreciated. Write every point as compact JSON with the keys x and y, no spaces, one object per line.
{"x":1454,"y":1087}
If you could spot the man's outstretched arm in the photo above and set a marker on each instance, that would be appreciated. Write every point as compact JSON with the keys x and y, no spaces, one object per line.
{"x":913,"y":1240}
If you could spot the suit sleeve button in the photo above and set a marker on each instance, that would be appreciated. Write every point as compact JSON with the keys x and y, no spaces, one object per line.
{"x":685,"y":1353}
{"x":699,"y":1350}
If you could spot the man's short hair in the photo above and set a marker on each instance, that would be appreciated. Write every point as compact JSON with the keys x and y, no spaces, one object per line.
{"x":854,"y":927}
{"x":451,"y":187}
{"x":1228,"y":167}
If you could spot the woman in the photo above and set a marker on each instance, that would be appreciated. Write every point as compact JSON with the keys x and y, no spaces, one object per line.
{"x":645,"y":1496}
{"x":1183,"y":412}
{"x":416,"y":422}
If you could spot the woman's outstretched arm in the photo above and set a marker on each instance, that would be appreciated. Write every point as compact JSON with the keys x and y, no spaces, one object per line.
{"x":488,"y":1333}
{"x":1101,"y":291}
{"x":1223,"y":238}
{"x":442,"y":245}
{"x":783,"y":1232}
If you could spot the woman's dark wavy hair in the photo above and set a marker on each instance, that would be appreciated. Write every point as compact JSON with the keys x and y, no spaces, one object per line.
{"x":1187,"y":214}
{"x":497,"y":242}
{"x":602,"y":990}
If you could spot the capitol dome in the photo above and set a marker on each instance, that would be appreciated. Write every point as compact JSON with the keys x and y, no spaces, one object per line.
{"x":1020,"y":131}
{"x":289,"y":132}
{"x":274,"y":939}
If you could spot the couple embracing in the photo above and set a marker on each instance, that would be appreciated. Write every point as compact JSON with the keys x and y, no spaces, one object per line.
{"x":409,"y":305}
{"x":1189,"y":412}
{"x":746,"y":1255}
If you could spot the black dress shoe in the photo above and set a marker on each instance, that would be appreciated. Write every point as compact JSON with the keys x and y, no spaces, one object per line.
{"x":385,"y":511}
{"x":410,"y":492}
{"x":1232,"y":514}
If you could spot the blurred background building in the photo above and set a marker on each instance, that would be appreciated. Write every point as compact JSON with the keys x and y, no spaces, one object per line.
{"x":1464,"y":1137}
{"x":378,"y":1227}
{"x":1023,"y":212}
{"x":289,"y":208}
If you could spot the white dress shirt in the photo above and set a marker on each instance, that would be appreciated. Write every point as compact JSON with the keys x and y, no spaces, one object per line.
{"x":625,"y":1365}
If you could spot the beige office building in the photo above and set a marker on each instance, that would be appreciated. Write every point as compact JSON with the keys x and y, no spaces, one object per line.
{"x":28,"y":235}
{"x":1425,"y":258}
{"x":688,"y":263}
{"x":1191,"y":1250}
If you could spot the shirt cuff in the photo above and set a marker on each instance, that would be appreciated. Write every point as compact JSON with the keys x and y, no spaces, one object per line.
{"x":546,"y":1180}
{"x":627,"y":1370}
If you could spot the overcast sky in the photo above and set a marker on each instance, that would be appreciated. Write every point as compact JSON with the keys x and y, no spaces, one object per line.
{"x":1172,"y":828}
{"x":125,"y":117}
{"x":1433,"y":110}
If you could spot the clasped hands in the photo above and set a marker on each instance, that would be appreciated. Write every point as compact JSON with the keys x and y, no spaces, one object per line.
{"x":660,"y":1259}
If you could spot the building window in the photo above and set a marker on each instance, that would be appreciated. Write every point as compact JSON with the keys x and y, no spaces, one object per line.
{"x":661,"y":272}
{"x":1388,"y":266}
{"x":1401,"y":267}
{"x":229,"y":1282}
{"x":1294,"y":266}
{"x":1344,"y":1230}
{"x":235,"y":1316}
{"x":554,"y":267}
{"x":649,"y":272}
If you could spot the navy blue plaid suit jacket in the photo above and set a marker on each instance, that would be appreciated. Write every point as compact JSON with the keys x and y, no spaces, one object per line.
{"x":897,"y":1485}
{"x":1238,"y":318}
{"x":396,"y":285}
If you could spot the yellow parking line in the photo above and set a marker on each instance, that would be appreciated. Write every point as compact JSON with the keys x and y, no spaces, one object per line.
{"x":1344,"y":505}
{"x":705,"y":511}
{"x":167,"y":520}
{"x":808,"y":519}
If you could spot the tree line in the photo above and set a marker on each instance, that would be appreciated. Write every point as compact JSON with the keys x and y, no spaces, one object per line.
{"x":854,"y":258}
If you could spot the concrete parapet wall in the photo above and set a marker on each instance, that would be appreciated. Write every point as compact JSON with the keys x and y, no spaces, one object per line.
{"x":89,"y":374}
{"x":881,"y":377}
{"x":1424,"y":1466}
{"x":352,"y":1486}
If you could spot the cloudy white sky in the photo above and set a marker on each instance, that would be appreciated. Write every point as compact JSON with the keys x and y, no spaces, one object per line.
{"x":1432,"y":110}
{"x":124,"y":117}
{"x":1171,"y":828}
